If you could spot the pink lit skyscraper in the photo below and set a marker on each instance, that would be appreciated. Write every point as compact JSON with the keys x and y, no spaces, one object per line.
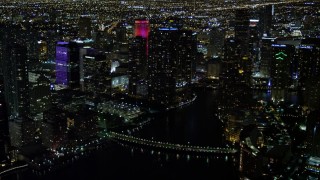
{"x":138,"y":55}
{"x":141,"y":28}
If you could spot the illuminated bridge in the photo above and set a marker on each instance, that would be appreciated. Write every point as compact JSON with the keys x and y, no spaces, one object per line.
{"x":170,"y":146}
{"x":13,"y":170}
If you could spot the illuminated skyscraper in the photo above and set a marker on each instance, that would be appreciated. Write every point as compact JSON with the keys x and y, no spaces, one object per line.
{"x":138,"y":55}
{"x":280,"y":65}
{"x":68,"y":65}
{"x":62,"y":64}
{"x":141,"y":28}
{"x":171,"y":63}
{"x":39,"y":94}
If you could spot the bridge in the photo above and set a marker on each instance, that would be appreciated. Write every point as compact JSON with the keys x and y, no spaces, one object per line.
{"x":13,"y":170}
{"x":170,"y":146}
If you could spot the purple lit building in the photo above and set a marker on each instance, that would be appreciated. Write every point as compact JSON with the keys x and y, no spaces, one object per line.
{"x":62,"y":59}
{"x":68,"y":64}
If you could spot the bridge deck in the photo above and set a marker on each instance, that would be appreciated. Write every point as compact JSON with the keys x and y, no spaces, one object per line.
{"x":167,"y":145}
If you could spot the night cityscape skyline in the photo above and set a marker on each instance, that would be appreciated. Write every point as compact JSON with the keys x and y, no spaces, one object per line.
{"x":160,"y":89}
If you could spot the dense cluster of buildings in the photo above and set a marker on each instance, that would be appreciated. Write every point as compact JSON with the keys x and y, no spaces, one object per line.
{"x":61,"y":64}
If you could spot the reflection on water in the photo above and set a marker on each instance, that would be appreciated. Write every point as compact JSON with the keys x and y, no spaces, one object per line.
{"x":291,"y":97}
{"x":195,"y":124}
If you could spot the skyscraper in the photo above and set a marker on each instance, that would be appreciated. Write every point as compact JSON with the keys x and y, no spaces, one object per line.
{"x":242,"y":39}
{"x":85,"y":27}
{"x":138,"y":55}
{"x":4,"y":132}
{"x":137,"y":69}
{"x":313,"y":133}
{"x":280,"y":65}
{"x":308,"y":63}
{"x":266,"y":55}
{"x":141,"y":28}
{"x":68,"y":64}
{"x":171,"y":62}
{"x":15,"y":72}
{"x":241,"y":30}
{"x":266,"y":15}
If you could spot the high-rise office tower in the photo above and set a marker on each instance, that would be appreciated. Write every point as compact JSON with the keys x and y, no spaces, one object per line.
{"x":242,"y":39}
{"x":68,"y":65}
{"x":15,"y":73}
{"x":138,"y":55}
{"x":233,"y":78}
{"x":4,"y":130}
{"x":241,"y":30}
{"x":266,"y":15}
{"x":266,"y":55}
{"x":313,"y":133}
{"x":171,"y":62}
{"x":121,"y":32}
{"x":308,"y":55}
{"x":216,"y":43}
{"x":313,"y":143}
{"x":85,"y":27}
{"x":96,"y":72}
{"x":312,"y":93}
{"x":39,"y":94}
{"x":43,"y":51}
{"x":308,"y":63}
{"x":141,"y":28}
{"x":282,"y":60}
{"x":230,"y":73}
{"x":160,"y":62}
{"x":16,"y":51}
{"x":137,"y":69}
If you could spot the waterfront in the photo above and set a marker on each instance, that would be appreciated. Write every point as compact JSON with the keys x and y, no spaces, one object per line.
{"x":195,"y":124}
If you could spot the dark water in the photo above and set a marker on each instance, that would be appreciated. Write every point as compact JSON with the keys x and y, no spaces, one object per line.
{"x":195,"y":124}
{"x":290,"y":97}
